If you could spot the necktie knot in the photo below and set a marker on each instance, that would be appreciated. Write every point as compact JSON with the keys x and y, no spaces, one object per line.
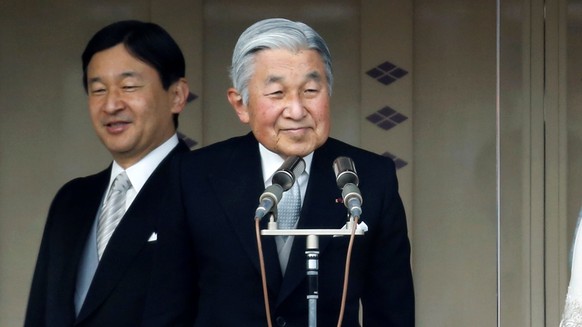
{"x":121,"y":183}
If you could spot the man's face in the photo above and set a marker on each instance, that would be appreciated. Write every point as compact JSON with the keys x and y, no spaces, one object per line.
{"x":130,"y":110}
{"x":288,"y":109}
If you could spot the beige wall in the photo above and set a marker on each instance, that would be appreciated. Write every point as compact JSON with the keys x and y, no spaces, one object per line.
{"x":454,"y":178}
{"x":471,"y":186}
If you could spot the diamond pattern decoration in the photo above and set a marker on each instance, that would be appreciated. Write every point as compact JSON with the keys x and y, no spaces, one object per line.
{"x":399,"y":163}
{"x":189,"y":142}
{"x":386,"y":73}
{"x":386,"y":118}
{"x":191,"y":97}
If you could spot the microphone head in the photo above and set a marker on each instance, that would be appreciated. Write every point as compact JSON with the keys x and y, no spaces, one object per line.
{"x":352,"y":199}
{"x":345,"y":172}
{"x":273,"y":192}
{"x":291,"y":168}
{"x":269,"y":200}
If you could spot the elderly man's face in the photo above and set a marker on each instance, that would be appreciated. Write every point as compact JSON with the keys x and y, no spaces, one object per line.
{"x":288,"y":109}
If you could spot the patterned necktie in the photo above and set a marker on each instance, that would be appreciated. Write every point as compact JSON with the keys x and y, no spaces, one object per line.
{"x":289,"y":207}
{"x":112,"y":211}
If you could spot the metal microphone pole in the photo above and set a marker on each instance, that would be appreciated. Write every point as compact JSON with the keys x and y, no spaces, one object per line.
{"x":312,"y":253}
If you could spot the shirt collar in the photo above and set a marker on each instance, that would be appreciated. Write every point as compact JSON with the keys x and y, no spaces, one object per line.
{"x":139,"y":172}
{"x":271,"y":161}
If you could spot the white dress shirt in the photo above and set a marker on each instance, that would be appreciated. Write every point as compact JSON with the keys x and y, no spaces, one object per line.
{"x":139,"y":173}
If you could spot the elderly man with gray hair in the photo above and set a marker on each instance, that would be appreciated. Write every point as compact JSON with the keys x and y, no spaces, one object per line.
{"x":282,"y":82}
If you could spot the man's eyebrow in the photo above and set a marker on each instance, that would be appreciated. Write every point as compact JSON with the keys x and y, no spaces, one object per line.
{"x":98,"y":79}
{"x":311,"y":76}
{"x":130,"y":74}
{"x":94,"y":80}
{"x":314,"y":75}
{"x":273,"y":79}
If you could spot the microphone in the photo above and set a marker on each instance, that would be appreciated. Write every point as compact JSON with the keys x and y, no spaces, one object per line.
{"x":283,"y":179}
{"x":285,"y":175}
{"x":268,"y":200}
{"x":345,"y":172}
{"x":347,"y":180}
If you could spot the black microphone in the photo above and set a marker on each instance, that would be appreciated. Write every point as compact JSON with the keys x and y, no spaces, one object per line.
{"x":285,"y":176}
{"x":347,"y":180}
{"x":345,"y":172}
{"x":283,"y":179}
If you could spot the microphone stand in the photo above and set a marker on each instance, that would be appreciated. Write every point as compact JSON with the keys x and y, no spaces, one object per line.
{"x":312,"y":256}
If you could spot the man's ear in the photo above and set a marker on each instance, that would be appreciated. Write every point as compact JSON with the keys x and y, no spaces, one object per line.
{"x":179,"y":95}
{"x":236,"y":101}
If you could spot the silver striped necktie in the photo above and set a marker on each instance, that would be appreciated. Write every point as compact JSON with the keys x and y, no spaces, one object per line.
{"x":112,"y":211}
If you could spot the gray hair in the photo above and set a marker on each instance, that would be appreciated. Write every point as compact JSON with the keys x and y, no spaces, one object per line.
{"x":274,"y":33}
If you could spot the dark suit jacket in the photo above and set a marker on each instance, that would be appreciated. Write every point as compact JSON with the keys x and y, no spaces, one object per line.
{"x":221,"y":185}
{"x":137,"y":283}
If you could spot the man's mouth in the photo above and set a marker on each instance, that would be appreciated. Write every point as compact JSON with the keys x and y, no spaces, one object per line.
{"x":116,"y":126}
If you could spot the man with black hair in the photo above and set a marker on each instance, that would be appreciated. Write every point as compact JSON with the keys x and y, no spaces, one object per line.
{"x":113,"y":252}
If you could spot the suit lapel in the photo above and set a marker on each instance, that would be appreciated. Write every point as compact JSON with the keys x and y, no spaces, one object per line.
{"x":130,"y":236}
{"x":80,"y":214}
{"x":242,"y":176}
{"x":320,"y":210}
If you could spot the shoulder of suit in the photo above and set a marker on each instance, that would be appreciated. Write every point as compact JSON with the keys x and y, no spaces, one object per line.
{"x":342,"y":148}
{"x":224,"y":147}
{"x":89,"y":182}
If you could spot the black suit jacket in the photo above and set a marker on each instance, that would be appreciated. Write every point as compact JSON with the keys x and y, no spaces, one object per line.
{"x":137,"y":283}
{"x":221,"y":185}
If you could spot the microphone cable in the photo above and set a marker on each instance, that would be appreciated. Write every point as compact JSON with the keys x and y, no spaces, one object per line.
{"x":347,"y":271}
{"x":263,"y":272}
{"x":282,"y":180}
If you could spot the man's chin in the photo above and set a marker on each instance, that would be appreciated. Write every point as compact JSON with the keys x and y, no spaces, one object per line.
{"x":295,"y":149}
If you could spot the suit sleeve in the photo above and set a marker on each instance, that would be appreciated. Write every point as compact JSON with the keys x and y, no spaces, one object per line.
{"x":388,"y":298}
